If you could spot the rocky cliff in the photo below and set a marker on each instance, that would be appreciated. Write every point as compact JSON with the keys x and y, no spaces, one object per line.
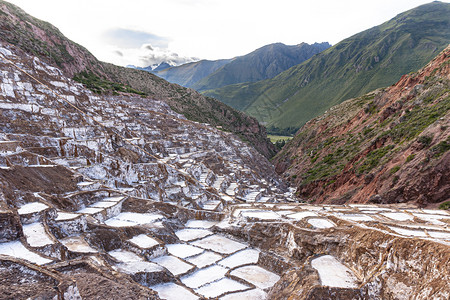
{"x":388,"y":146}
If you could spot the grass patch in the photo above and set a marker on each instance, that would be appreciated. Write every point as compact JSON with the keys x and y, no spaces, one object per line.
{"x":445,"y":205}
{"x":439,"y":149}
{"x":101,"y":86}
{"x":394,"y":170}
{"x":417,"y":120}
{"x":410,"y":157}
{"x":373,"y":158}
{"x":276,"y":138}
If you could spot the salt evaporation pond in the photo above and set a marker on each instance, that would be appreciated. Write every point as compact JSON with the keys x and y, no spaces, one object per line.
{"x":16,"y":249}
{"x":256,"y":275}
{"x":175,"y":265}
{"x":172,"y":291}
{"x":204,"y":276}
{"x":222,"y":286}
{"x":219,"y":244}
{"x":321,"y":223}
{"x":204,"y":259}
{"x":332,"y":273}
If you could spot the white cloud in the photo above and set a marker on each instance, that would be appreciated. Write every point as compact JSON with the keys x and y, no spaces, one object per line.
{"x":144,"y":56}
{"x":210,"y":29}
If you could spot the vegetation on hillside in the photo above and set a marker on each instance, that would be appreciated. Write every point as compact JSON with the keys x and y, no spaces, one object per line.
{"x":385,"y":134}
{"x":100,"y":85}
{"x":371,"y":59}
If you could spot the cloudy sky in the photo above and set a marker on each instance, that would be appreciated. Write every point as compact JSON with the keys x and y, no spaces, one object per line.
{"x":145,"y":32}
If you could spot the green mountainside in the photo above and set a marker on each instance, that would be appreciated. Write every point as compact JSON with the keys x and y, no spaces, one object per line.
{"x":263,"y":63}
{"x":45,"y":41}
{"x":188,"y":74}
{"x":388,"y":146}
{"x":374,"y":58}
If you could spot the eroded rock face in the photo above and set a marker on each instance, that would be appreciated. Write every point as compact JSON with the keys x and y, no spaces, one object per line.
{"x":390,"y":145}
{"x":120,"y":197}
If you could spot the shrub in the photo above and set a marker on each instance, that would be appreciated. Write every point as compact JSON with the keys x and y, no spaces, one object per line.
{"x":410,"y":157}
{"x":425,"y":140}
{"x":394,"y":169}
{"x":440,"y":148}
{"x":445,"y":205}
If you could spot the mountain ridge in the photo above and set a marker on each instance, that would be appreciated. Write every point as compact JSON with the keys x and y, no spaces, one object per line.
{"x":262,"y":63}
{"x":188,"y":74}
{"x":368,"y":60}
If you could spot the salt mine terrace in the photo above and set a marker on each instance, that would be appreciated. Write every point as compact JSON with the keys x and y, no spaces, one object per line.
{"x":125,"y":189}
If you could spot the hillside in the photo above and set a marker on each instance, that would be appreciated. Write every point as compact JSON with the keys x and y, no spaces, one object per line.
{"x":46,"y":41}
{"x":120,"y":197}
{"x":188,"y":74}
{"x":388,"y":146}
{"x":371,"y":59}
{"x":263,"y":63}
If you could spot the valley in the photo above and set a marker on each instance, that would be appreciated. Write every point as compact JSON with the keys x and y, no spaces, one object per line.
{"x":374,"y":58}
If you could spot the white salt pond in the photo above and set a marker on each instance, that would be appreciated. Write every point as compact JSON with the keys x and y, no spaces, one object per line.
{"x":408,"y":232}
{"x":200,"y":224}
{"x":32,"y":207}
{"x":321,"y":223}
{"x":183,"y":250}
{"x":64,"y":216}
{"x":104,"y":204}
{"x":134,"y":267}
{"x":436,"y":212}
{"x":90,"y":210}
{"x":125,"y":256}
{"x":434,"y":219}
{"x":439,"y":235}
{"x":398,"y":216}
{"x":85,"y":183}
{"x":260,"y":214}
{"x":113,"y":199}
{"x":254,"y":294}
{"x":36,"y":235}
{"x":248,"y":256}
{"x":16,"y":249}
{"x":126,"y":219}
{"x":77,"y":244}
{"x":302,"y":215}
{"x":355,"y":217}
{"x":219,"y":244}
{"x":285,"y":212}
{"x":143,"y":241}
{"x":172,"y":291}
{"x":190,"y":234}
{"x":222,"y":286}
{"x":311,"y":208}
{"x":334,"y":274}
{"x":204,"y":276}
{"x":211,"y":205}
{"x":204,"y":259}
{"x":175,"y":265}
{"x":256,"y":275}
